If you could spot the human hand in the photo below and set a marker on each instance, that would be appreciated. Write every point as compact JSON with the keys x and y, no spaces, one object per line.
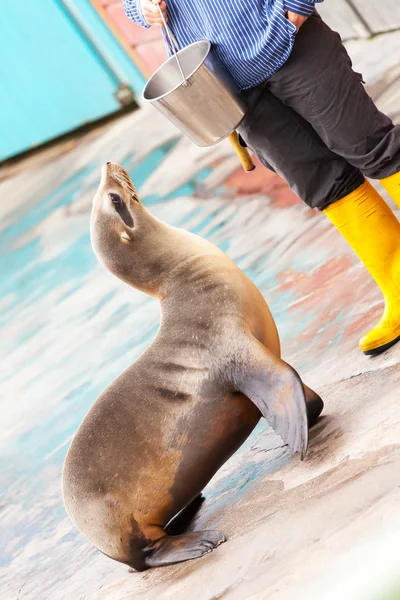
{"x":151,"y":12}
{"x":296,"y":19}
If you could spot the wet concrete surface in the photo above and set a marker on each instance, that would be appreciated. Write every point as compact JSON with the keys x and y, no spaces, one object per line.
{"x":327,"y":527}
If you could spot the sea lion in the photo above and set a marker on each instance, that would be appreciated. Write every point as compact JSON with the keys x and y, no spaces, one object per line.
{"x":156,"y":436}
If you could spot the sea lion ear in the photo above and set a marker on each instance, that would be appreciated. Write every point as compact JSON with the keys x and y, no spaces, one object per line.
{"x":135,"y":196}
{"x":125,"y":237}
{"x":275,"y":388}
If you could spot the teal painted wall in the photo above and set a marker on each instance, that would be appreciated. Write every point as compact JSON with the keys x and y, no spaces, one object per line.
{"x":54,"y":75}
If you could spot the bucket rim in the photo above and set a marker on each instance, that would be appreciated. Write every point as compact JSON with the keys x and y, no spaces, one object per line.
{"x":169,"y":60}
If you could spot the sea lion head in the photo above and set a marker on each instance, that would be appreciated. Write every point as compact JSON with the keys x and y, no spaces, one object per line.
{"x":124,"y":234}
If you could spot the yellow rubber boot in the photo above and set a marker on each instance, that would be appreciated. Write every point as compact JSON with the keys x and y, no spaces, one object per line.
{"x":392,"y":186}
{"x":367,"y":223}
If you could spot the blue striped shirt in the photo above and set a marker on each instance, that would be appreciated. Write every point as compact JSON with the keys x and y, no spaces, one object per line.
{"x":252,"y":38}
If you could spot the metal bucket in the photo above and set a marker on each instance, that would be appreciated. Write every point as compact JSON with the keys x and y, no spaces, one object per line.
{"x":204,"y":102}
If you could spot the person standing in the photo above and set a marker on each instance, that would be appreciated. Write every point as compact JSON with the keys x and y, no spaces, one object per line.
{"x":309,"y":119}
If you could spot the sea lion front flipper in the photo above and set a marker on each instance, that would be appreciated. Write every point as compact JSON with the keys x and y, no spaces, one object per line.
{"x":275,"y":388}
{"x":175,"y":549}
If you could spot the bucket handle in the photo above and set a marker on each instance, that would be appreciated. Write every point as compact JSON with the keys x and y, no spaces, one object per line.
{"x":173,"y":44}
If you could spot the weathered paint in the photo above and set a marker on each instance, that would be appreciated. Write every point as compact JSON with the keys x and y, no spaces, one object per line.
{"x":317,"y":529}
{"x":56,"y":79}
{"x":147,"y":43}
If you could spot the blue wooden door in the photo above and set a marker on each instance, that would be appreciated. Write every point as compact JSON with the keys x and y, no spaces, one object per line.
{"x":60,"y":68}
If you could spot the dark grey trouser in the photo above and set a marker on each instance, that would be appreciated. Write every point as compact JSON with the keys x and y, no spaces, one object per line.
{"x":314,"y":124}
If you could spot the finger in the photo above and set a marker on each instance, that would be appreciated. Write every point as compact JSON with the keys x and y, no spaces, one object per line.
{"x":163,"y":7}
{"x":155,"y":6}
{"x":152,"y":19}
{"x":160,"y":23}
{"x":301,"y":22}
{"x":152,"y":9}
{"x":151,"y":13}
{"x":154,"y":15}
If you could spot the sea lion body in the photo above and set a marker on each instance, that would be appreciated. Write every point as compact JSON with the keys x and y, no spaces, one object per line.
{"x":156,"y":436}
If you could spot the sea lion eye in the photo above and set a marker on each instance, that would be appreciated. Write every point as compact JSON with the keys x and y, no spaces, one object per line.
{"x":116,"y":199}
{"x":121,"y":209}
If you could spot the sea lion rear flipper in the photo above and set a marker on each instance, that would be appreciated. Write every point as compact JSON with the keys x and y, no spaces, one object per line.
{"x":175,"y":549}
{"x":276,"y":389}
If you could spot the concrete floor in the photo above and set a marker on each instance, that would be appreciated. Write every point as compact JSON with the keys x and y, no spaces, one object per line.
{"x":325,"y":528}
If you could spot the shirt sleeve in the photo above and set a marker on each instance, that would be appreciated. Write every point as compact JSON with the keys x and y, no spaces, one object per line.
{"x":133,"y":10}
{"x":301,"y":7}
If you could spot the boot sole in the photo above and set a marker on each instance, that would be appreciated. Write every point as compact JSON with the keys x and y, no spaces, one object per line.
{"x":381,"y":349}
